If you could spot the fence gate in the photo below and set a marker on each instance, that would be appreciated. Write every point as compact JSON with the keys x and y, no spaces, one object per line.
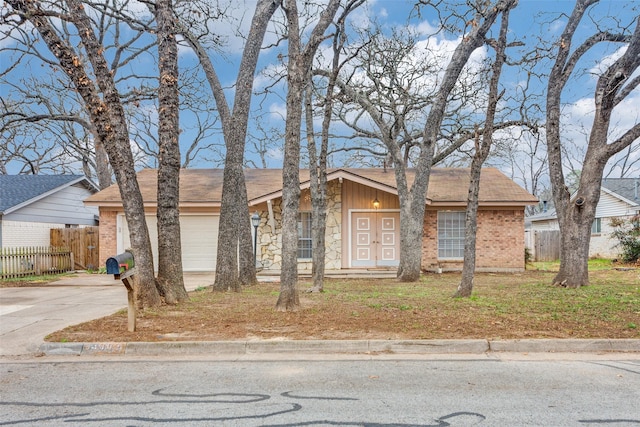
{"x":82,"y":242}
{"x":547,"y":245}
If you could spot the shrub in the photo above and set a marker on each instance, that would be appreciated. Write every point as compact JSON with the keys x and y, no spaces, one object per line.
{"x":528,"y":256}
{"x":627,"y":232}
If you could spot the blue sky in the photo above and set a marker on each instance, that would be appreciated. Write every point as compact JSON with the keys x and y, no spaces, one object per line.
{"x":531,"y":21}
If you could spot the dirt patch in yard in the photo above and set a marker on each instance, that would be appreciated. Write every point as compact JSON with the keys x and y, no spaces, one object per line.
{"x":503,"y":306}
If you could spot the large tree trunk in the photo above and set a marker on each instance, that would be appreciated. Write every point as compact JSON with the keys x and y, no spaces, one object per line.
{"x":103,"y":172}
{"x":574,"y":250}
{"x":247,"y":274}
{"x":234,"y":228}
{"x":230,"y":213}
{"x":465,"y":288}
{"x":107,"y":115}
{"x":411,"y":231}
{"x":170,"y":276}
{"x":118,"y":147}
{"x":318,"y":226}
{"x":575,"y":219}
{"x":318,"y":188}
{"x":576,"y":215}
{"x":288,"y":299}
{"x":298,"y":70}
{"x":482,"y":149}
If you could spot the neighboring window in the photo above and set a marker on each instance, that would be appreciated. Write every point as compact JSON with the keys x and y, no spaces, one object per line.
{"x":596,"y":227}
{"x":451,"y":234}
{"x":304,"y":235}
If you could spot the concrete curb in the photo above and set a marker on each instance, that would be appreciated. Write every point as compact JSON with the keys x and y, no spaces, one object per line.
{"x":240,"y":348}
{"x":566,"y":345}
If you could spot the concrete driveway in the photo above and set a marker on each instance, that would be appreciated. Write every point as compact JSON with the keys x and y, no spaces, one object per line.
{"x":29,"y":314}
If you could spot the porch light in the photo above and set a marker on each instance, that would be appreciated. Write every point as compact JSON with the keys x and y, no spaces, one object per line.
{"x":376,"y":203}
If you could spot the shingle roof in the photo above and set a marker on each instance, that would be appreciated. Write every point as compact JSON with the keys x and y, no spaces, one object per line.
{"x":624,"y":187}
{"x":629,"y":188}
{"x":18,"y":189}
{"x":204,"y":186}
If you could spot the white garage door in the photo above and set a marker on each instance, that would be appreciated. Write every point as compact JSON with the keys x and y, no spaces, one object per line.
{"x":199,"y":237}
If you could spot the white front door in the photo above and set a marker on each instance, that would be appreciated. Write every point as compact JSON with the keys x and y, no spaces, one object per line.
{"x":375,"y":239}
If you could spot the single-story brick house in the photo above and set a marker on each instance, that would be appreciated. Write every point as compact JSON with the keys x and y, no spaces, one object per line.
{"x":360,"y":235}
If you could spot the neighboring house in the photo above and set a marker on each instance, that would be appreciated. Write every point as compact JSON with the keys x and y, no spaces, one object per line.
{"x":31,"y":205}
{"x":619,"y":198}
{"x":360,"y":234}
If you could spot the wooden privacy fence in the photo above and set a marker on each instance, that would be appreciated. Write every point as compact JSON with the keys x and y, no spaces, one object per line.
{"x":34,"y":261}
{"x":547,"y":245}
{"x":82,"y":242}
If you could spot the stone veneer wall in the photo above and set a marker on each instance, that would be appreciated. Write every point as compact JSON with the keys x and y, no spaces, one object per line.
{"x":270,"y":241}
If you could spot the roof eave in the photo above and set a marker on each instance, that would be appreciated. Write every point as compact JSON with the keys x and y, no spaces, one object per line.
{"x":331,"y":176}
{"x":510,"y":203}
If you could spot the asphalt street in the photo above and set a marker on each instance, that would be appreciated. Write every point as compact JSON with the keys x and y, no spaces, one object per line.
{"x":383,"y":392}
{"x":293,"y":383}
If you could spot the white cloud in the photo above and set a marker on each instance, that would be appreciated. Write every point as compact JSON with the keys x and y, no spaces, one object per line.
{"x":275,"y":153}
{"x":603,"y":64}
{"x":134,"y":7}
{"x":278,"y":111}
{"x":557,"y":26}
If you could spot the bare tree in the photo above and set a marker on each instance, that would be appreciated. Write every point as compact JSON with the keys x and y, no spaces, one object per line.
{"x":107,"y":115}
{"x":482,"y":149}
{"x":627,"y":164}
{"x":170,"y":276}
{"x":524,"y":160}
{"x":395,"y":102}
{"x":49,"y":105}
{"x":298,"y":74}
{"x":318,"y":159}
{"x":614,"y":85}
{"x":234,"y":229}
{"x":38,"y":113}
{"x":413,"y":201}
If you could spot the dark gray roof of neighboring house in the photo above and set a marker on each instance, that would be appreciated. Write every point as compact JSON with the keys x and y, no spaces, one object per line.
{"x":18,"y":189}
{"x":623,"y":187}
{"x":629,"y":188}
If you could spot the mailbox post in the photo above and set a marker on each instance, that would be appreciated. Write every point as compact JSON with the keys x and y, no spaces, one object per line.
{"x":122,"y":266}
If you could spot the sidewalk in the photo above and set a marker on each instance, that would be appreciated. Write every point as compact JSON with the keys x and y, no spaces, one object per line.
{"x":28,"y":315}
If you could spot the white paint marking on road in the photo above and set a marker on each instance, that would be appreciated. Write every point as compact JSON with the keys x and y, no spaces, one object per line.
{"x":6,"y":309}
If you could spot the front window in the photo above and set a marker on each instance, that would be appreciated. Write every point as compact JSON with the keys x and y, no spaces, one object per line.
{"x":451,"y":234}
{"x":304,"y":235}
{"x":596,"y":226}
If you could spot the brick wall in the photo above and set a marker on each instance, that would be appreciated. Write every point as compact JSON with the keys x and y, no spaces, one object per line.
{"x":500,"y":239}
{"x":499,"y":244}
{"x":430,"y":241}
{"x":20,"y":234}
{"x":108,"y":235}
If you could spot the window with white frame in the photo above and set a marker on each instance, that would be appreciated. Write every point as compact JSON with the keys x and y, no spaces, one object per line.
{"x":304,"y":235}
{"x":451,"y":234}
{"x":596,"y":226}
